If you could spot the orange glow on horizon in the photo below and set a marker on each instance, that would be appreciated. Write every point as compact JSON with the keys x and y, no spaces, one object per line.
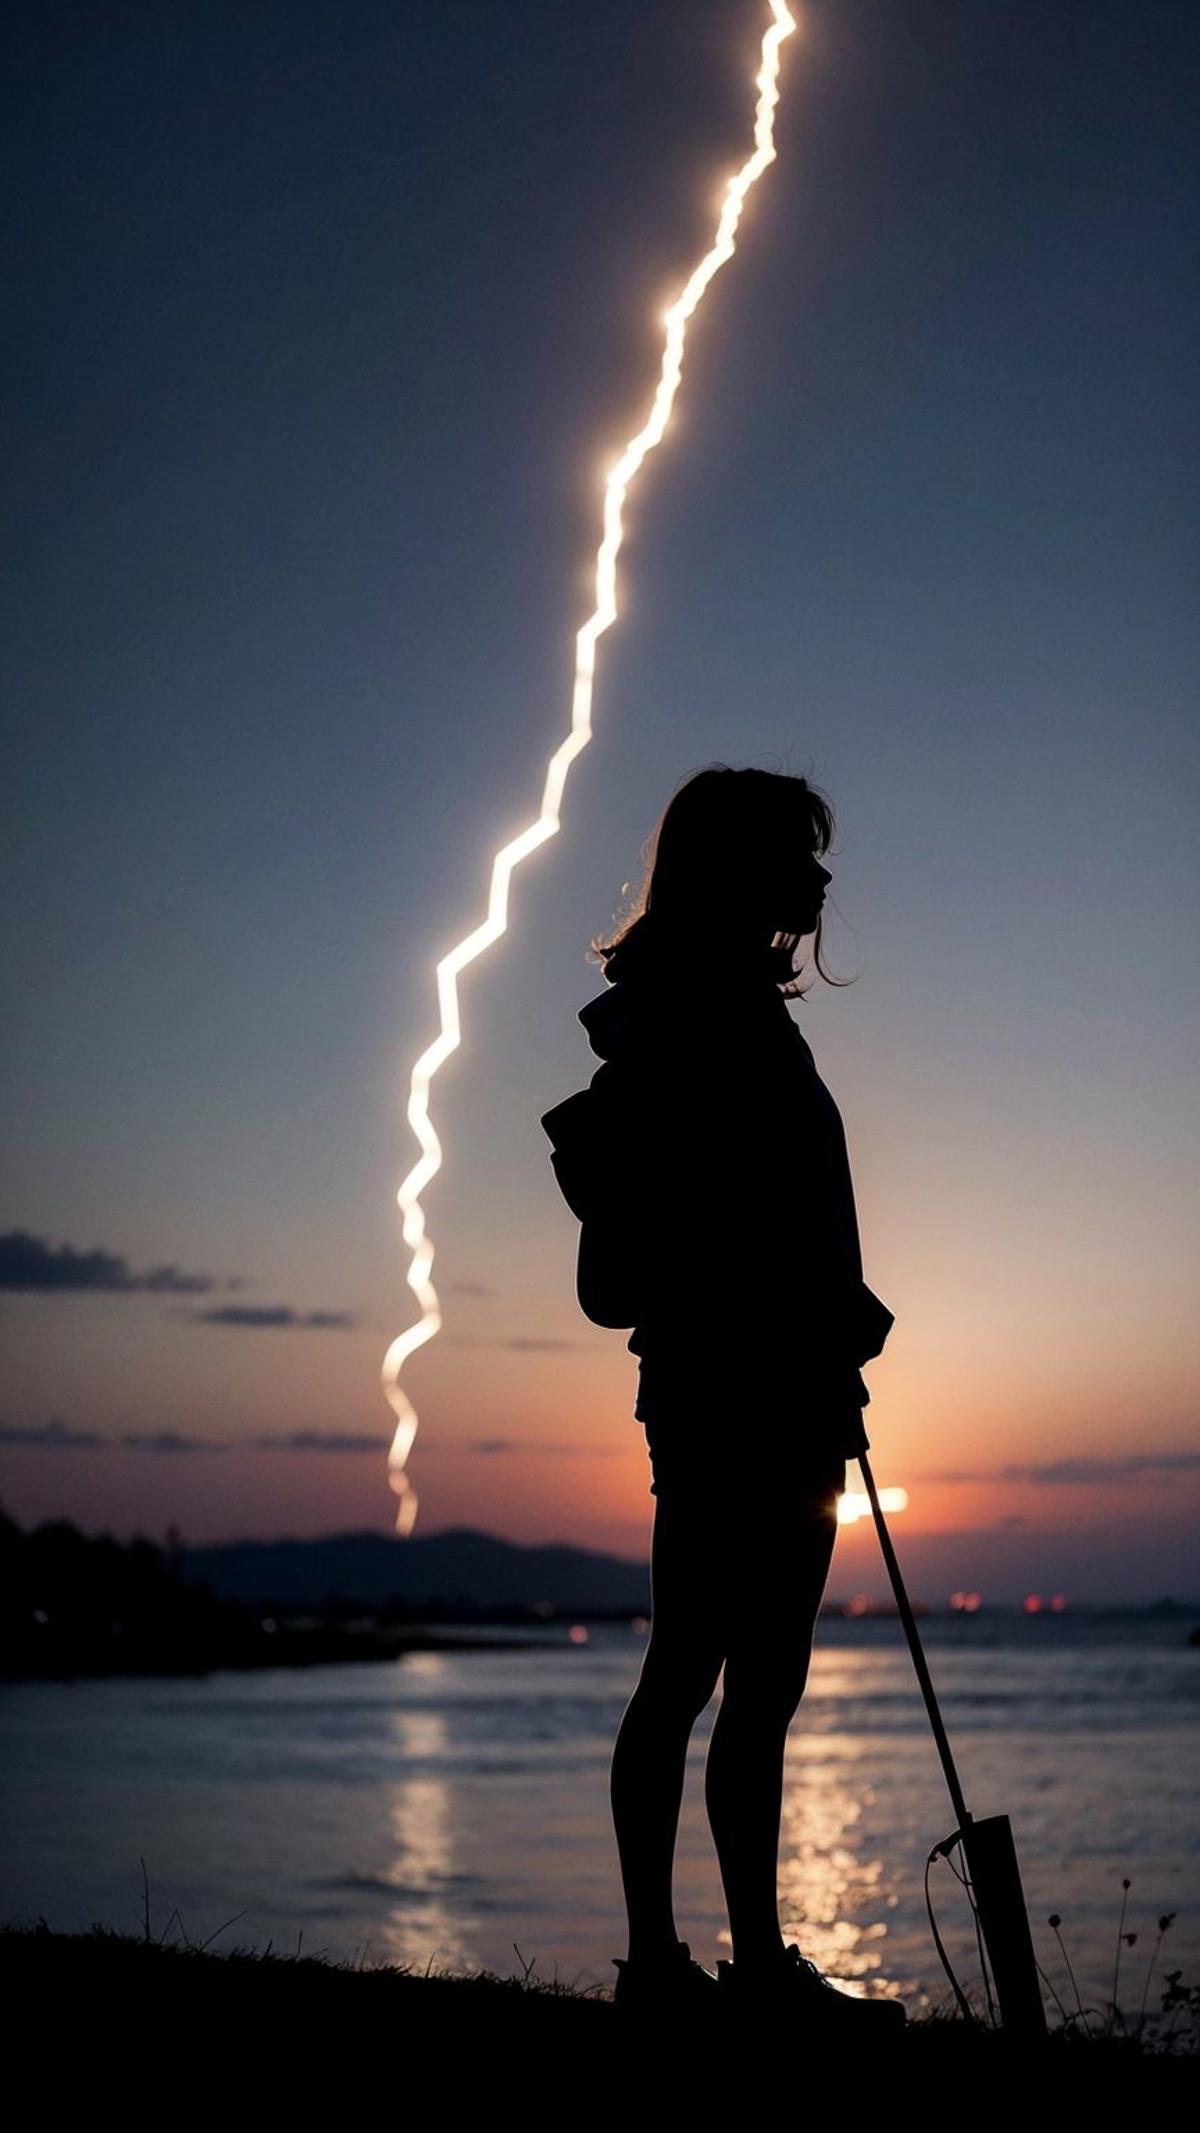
{"x":618,"y":485}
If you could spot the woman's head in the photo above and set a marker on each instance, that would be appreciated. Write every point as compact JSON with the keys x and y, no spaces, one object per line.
{"x":733,"y":871}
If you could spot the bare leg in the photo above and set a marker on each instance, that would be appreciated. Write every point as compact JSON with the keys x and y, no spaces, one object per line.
{"x":679,"y":1674}
{"x":784,"y":1562}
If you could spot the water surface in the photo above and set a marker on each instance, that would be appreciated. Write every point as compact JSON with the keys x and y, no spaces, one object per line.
{"x":452,"y":1808}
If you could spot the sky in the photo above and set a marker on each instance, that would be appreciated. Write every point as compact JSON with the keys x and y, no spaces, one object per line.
{"x":324,"y":326}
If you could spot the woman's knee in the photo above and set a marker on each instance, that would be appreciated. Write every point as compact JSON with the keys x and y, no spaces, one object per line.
{"x":765,"y":1690}
{"x":680,"y":1677}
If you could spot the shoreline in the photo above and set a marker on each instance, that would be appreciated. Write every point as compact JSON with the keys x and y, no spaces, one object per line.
{"x":257,"y":1644}
{"x":253,"y":1652}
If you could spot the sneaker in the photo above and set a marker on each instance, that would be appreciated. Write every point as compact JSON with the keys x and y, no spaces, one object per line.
{"x":676,"y":1985}
{"x":795,"y":1986}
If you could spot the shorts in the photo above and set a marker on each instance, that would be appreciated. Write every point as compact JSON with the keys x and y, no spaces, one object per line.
{"x":686,"y":1466}
{"x":754,"y":1434}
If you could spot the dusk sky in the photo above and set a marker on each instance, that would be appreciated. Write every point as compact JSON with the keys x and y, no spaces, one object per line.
{"x":324,"y":325}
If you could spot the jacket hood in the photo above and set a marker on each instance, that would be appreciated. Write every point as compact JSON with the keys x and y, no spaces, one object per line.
{"x":637,"y":981}
{"x":644,"y":1004}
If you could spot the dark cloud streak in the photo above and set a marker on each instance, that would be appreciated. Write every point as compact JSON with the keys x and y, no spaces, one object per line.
{"x":492,"y":1447}
{"x":260,"y":1316}
{"x":522,"y":1343}
{"x":323,"y":1440}
{"x":54,"y":1437}
{"x":29,"y":1263}
{"x":1082,"y":1472}
{"x":167,"y":1440}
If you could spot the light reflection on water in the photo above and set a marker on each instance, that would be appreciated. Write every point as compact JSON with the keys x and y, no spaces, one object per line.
{"x":453,"y":1809}
{"x":422,"y":1847}
{"x":831,"y":1891}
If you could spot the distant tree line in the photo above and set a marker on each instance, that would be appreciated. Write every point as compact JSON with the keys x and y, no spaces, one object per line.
{"x":79,"y":1603}
{"x":74,"y":1605}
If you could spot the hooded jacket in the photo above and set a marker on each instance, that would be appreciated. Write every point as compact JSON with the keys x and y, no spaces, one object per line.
{"x":707,"y":1164}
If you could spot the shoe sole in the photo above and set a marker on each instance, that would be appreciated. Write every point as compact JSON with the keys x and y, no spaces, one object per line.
{"x":838,"y":2009}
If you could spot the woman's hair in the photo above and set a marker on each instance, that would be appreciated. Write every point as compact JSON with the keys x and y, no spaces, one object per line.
{"x":722,"y":834}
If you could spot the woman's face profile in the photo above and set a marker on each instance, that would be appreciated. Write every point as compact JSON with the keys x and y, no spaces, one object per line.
{"x":797,"y":894}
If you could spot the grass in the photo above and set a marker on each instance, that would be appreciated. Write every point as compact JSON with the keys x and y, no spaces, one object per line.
{"x":119,"y":2008}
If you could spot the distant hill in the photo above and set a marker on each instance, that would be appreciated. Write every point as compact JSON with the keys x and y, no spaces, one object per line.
{"x":458,"y":1570}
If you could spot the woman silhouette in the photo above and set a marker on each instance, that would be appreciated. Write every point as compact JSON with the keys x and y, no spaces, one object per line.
{"x":741,"y":1242}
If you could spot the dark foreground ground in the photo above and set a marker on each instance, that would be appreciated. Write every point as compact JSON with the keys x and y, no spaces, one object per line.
{"x":105,"y":2018}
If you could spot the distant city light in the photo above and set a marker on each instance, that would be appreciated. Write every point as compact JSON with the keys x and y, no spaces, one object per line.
{"x":966,"y":1603}
{"x":577,"y":1634}
{"x":1033,"y":1603}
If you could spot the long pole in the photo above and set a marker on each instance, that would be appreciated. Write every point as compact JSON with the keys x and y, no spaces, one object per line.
{"x":914,"y":1645}
{"x":988,"y":1846}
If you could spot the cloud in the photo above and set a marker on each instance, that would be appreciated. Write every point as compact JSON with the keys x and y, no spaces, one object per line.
{"x":271,"y":1315}
{"x":167,"y":1440}
{"x":323,"y":1440}
{"x":490,"y":1446}
{"x":29,"y":1263}
{"x":55,"y":1436}
{"x":1131,"y":1466}
{"x":1087,"y":1472}
{"x":167,"y":1280}
{"x":523,"y":1343}
{"x":534,"y":1344}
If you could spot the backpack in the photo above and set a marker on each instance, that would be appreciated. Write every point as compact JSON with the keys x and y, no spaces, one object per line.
{"x":595,"y":1156}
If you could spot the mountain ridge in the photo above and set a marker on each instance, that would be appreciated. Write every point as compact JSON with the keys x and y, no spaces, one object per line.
{"x":458,"y":1566}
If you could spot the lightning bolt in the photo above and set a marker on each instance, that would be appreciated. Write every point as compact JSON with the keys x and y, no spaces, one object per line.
{"x":618,"y":485}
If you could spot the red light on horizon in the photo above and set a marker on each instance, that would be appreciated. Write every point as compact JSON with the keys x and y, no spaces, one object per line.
{"x":1059,"y":1602}
{"x":1033,"y":1603}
